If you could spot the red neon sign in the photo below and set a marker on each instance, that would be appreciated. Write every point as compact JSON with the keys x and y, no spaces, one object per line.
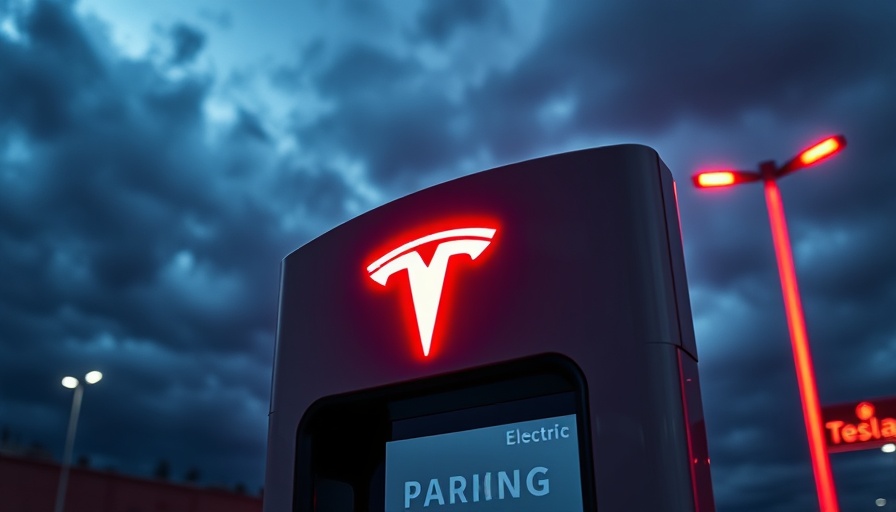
{"x":865,"y":427}
{"x":427,"y":279}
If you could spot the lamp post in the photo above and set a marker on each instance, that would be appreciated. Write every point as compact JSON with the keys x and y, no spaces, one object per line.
{"x":768,"y":173}
{"x":72,"y":383}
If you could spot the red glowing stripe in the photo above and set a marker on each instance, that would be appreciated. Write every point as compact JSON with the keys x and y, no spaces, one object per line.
{"x":692,"y":461}
{"x":821,"y":465}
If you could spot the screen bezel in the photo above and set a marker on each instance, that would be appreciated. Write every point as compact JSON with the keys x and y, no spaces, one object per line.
{"x":341,"y":439}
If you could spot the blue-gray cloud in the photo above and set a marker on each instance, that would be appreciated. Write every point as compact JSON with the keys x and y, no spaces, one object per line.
{"x":187,"y":43}
{"x":141,"y":239}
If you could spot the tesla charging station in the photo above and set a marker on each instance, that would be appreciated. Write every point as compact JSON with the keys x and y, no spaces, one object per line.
{"x":514,"y":340}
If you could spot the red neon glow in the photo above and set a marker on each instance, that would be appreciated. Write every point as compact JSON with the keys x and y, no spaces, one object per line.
{"x":715,"y":179}
{"x":868,"y":428}
{"x":687,"y":428}
{"x":823,"y":149}
{"x":864,"y":410}
{"x":805,"y":373}
{"x":427,"y":279}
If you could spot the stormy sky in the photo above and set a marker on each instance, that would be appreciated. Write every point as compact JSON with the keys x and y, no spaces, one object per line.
{"x":159,"y":159}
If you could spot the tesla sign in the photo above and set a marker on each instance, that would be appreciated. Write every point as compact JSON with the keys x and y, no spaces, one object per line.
{"x":866,"y":425}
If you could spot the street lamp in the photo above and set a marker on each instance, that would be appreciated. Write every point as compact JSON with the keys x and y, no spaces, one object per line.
{"x":768,"y":173}
{"x":72,"y":383}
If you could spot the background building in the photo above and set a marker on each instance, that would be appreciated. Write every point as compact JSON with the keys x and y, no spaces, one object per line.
{"x":29,"y":485}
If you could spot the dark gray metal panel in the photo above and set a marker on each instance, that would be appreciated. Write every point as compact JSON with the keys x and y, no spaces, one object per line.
{"x":580,"y":266}
{"x":677,"y":266}
{"x":671,"y":444}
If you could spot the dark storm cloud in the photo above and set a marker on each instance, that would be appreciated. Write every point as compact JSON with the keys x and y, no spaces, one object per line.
{"x":249,"y":126}
{"x":379,"y":114}
{"x":188,"y":42}
{"x":441,"y":20}
{"x":363,"y":71}
{"x":635,"y":68}
{"x":628,"y":69}
{"x":34,"y":98}
{"x":135,"y":241}
{"x":617,"y":68}
{"x":382,"y":117}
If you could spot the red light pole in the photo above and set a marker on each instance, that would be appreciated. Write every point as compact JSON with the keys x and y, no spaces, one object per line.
{"x":769,"y":172}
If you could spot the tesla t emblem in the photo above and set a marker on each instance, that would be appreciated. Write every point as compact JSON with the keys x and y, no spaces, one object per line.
{"x":427,"y":280}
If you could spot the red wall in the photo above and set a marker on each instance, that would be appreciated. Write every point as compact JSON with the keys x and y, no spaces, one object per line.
{"x":28,"y":485}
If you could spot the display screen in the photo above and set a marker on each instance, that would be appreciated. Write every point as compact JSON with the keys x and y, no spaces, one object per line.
{"x":528,"y":466}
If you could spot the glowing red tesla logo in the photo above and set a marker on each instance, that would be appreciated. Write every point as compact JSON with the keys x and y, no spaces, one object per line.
{"x":869,"y":427}
{"x":427,"y":280}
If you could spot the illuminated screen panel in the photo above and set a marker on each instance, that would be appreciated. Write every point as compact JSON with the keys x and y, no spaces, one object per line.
{"x":527,"y":466}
